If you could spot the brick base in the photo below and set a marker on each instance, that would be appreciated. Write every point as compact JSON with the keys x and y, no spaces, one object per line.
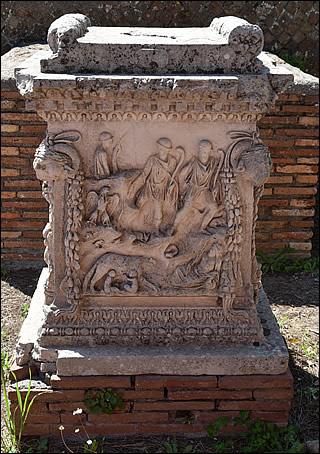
{"x":155,"y":404}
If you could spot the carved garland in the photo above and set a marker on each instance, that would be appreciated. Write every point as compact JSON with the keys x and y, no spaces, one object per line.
{"x":75,"y":209}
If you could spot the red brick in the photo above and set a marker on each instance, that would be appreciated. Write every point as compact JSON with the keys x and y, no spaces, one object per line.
{"x":209,"y":394}
{"x":8,"y":195}
{"x":302,"y":224}
{"x":10,"y":172}
{"x":279,"y":405}
{"x":283,"y":160}
{"x":262,"y":236}
{"x":308,"y":160}
{"x":300,"y":109}
{"x":23,"y":224}
{"x":299,"y":168}
{"x":10,"y":94}
{"x":125,"y":418}
{"x":38,"y":408}
{"x":52,"y":396}
{"x":69,"y":418}
{"x":32,"y":234}
{"x":10,"y":234}
{"x":169,"y":428}
{"x":267,"y":191}
{"x":266,"y":132}
{"x":14,"y":161}
{"x":278,"y":143}
{"x":29,"y":171}
{"x":289,"y":97}
{"x":21,"y":372}
{"x":256,"y":381}
{"x":295,"y":152}
{"x":158,"y":382}
{"x":267,"y":416}
{"x":48,"y":418}
{"x":274,"y":109}
{"x":21,"y":140}
{"x":302,"y":203}
{"x":171,"y":406}
{"x":23,"y":256}
{"x":301,"y":246}
{"x":134,"y":395}
{"x":212,"y":416}
{"x":10,"y":215}
{"x":279,"y":180}
{"x":29,"y":117}
{"x":8,"y":105}
{"x":9,"y":151}
{"x":296,"y":190}
{"x":89,"y":382}
{"x":278,"y":120}
{"x":307,"y":143}
{"x":23,"y":184}
{"x":25,"y":204}
{"x":271,"y":224}
{"x":311,"y":99}
{"x":293,"y":212}
{"x":65,"y":406}
{"x":292,"y":235}
{"x":273,"y":394}
{"x":36,"y":430}
{"x":279,"y":203}
{"x":33,"y":129}
{"x":298,"y":132}
{"x":27,"y":150}
{"x":26,"y":244}
{"x":29,"y":195}
{"x":309,"y":121}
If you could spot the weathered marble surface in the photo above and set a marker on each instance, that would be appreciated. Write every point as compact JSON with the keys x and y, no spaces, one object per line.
{"x":228,"y":46}
{"x":153,"y":182}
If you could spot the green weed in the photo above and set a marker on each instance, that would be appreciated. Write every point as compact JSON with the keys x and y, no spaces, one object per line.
{"x":283,"y":260}
{"x":11,"y":438}
{"x":294,"y":60}
{"x":42,"y":446}
{"x":24,"y":310}
{"x":5,"y":271}
{"x":173,"y":447}
{"x":259,"y":437}
{"x":103,"y":401}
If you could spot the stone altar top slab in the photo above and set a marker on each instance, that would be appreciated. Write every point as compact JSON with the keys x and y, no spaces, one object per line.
{"x":229,"y":45}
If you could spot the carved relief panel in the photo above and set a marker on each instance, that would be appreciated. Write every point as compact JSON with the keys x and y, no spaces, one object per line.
{"x":159,"y":212}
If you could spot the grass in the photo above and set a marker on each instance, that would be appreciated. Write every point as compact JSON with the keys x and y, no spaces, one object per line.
{"x":285,"y":260}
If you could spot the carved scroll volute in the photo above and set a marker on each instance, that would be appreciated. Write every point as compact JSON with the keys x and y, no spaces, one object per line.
{"x":57,"y":163}
{"x":243,"y":36}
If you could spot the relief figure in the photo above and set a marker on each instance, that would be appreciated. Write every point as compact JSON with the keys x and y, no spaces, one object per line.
{"x":105,"y":157}
{"x":155,"y":190}
{"x":200,"y":191}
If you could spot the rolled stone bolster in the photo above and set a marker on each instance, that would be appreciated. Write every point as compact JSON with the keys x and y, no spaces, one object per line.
{"x":237,"y":31}
{"x":67,"y":29}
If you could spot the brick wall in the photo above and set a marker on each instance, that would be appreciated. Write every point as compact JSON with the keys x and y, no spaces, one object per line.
{"x":286,"y":210}
{"x":154,"y":404}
